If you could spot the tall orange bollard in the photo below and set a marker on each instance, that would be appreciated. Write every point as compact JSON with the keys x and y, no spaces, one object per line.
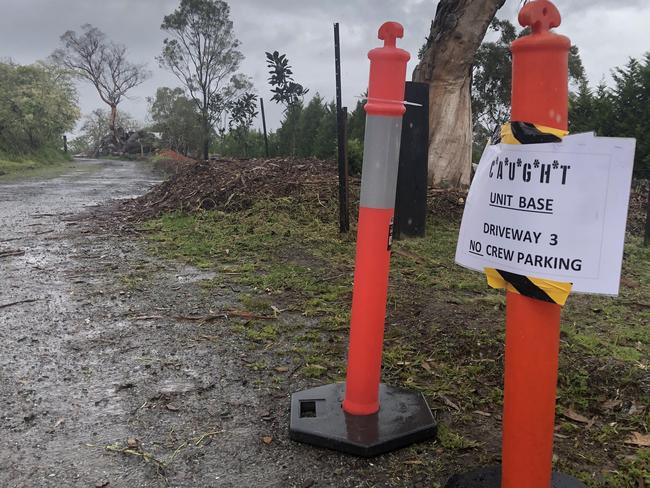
{"x":362,"y":416}
{"x":539,"y":96}
{"x":384,"y":110}
{"x":540,"y":107}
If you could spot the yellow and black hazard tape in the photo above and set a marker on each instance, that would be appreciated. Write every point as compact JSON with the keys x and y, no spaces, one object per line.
{"x":525,"y":133}
{"x":540,"y":289}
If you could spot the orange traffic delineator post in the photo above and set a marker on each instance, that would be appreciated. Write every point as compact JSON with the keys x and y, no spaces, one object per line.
{"x":363,"y":416}
{"x":540,"y":102}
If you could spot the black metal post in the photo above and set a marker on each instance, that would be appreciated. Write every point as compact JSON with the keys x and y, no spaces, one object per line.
{"x":411,"y":196}
{"x":346,"y":169}
{"x":341,"y":119}
{"x":266,"y":141}
{"x":646,"y":237}
{"x":65,"y":144}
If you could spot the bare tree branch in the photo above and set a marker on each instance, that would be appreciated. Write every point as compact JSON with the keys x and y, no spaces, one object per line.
{"x":90,"y":56}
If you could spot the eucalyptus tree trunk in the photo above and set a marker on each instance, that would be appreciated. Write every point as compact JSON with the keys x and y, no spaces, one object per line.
{"x":456,"y":33}
{"x":111,"y":123}
{"x":205,"y":136}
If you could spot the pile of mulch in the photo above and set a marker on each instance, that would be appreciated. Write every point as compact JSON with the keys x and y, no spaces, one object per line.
{"x":171,"y":162}
{"x":235,"y":184}
{"x":638,"y":207}
{"x":172,"y":155}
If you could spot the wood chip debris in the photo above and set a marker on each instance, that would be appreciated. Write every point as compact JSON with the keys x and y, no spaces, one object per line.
{"x":638,"y":439}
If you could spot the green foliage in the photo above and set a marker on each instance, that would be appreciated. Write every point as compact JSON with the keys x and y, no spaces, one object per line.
{"x":34,"y":163}
{"x":38,"y":104}
{"x":622,"y":110}
{"x":251,"y":145}
{"x":325,"y":142}
{"x":310,"y":120}
{"x":285,"y":90}
{"x":357,"y":121}
{"x":203,"y":54}
{"x":306,"y":131}
{"x":635,"y":471}
{"x":452,"y":440}
{"x":492,"y":83}
{"x":96,"y":127}
{"x":444,"y":329}
{"x":491,"y":79}
{"x":576,"y":69}
{"x":355,"y":156}
{"x":287,"y":133}
{"x":177,"y":119}
{"x":631,"y":93}
{"x":591,"y":111}
{"x":242,"y":112}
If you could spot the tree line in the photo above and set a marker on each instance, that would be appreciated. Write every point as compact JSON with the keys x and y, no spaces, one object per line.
{"x":38,"y":104}
{"x":307,"y":130}
{"x":215,"y":106}
{"x":622,"y":110}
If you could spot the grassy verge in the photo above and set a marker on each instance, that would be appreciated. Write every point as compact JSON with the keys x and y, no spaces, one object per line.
{"x":444,"y":333}
{"x":32,"y":164}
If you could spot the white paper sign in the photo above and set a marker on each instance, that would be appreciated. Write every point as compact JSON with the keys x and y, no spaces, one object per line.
{"x":555,"y":211}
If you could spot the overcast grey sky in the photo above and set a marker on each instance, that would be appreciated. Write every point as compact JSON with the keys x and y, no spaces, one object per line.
{"x":607,"y":33}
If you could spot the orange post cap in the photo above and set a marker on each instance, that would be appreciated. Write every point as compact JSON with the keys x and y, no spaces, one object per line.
{"x":540,"y":87}
{"x":540,"y":16}
{"x":387,"y":73}
{"x":389,"y":32}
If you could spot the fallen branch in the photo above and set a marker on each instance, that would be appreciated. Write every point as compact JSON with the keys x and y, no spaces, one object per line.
{"x":147,"y":457}
{"x":200,"y":318}
{"x":449,"y":403}
{"x":29,"y":300}
{"x":12,"y":252}
{"x":207,"y":434}
{"x":159,"y":201}
{"x":247,"y":315}
{"x":178,"y":449}
{"x":224,"y":315}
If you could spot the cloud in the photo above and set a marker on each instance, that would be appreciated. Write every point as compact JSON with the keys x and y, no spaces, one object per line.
{"x":606,"y":32}
{"x":571,"y":7}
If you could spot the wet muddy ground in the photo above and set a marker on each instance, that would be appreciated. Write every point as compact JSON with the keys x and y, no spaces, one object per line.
{"x":120,"y":367}
{"x":106,"y":380}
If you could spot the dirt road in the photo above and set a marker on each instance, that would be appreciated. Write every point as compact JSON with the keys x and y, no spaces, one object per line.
{"x":102,"y":381}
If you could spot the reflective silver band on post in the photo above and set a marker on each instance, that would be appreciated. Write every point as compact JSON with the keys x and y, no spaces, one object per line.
{"x":380,"y":161}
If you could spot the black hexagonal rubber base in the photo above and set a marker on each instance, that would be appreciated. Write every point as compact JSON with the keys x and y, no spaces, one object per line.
{"x":491,"y":478}
{"x":317,"y":418}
